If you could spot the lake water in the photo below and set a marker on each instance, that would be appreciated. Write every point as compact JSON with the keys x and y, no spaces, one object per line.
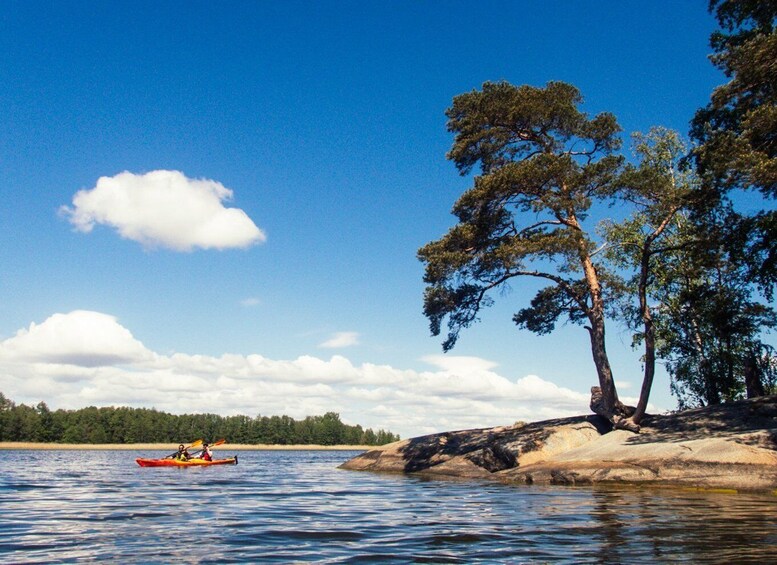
{"x":297,"y":507}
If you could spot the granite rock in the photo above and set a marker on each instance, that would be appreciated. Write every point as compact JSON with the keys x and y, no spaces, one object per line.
{"x":731,"y":446}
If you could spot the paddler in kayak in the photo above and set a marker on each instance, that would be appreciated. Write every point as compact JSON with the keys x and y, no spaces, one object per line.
{"x":206,"y":453}
{"x":182,"y":454}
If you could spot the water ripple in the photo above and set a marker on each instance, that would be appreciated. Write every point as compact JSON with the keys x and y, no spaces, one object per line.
{"x":297,"y":507}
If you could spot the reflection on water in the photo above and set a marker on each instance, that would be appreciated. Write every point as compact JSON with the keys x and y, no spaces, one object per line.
{"x":279,"y":506}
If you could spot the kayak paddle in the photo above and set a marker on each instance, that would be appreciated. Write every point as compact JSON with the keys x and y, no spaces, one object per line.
{"x":214,"y":444}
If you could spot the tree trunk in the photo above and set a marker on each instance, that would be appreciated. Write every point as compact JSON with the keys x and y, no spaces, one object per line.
{"x":601,"y":361}
{"x":596,"y":331}
{"x":604,"y":398}
{"x":711,"y":395}
{"x":647,"y":316}
{"x":650,"y":371}
{"x":650,"y":337}
{"x":753,"y":382}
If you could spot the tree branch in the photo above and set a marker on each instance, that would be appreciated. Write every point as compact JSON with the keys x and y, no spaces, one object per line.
{"x":538,"y":224}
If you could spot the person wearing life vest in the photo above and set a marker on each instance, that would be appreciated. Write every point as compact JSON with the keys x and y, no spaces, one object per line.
{"x":183,"y":454}
{"x":206,"y":453}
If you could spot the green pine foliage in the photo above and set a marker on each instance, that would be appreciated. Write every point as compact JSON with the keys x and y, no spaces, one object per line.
{"x":689,"y":275}
{"x":91,"y":425}
{"x":545,"y":166}
{"x":735,"y":133}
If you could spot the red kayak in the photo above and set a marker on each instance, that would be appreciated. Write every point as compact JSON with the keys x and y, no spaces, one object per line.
{"x":189,"y":463}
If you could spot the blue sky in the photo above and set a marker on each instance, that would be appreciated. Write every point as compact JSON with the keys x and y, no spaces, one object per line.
{"x":324,"y":125}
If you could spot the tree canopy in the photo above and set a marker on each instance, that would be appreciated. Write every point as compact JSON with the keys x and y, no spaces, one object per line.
{"x":543,"y":164}
{"x":142,"y":425}
{"x":679,"y":270}
{"x":737,"y":131}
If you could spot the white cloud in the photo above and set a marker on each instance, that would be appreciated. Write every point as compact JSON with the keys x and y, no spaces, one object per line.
{"x":80,"y":338}
{"x":250,"y":302}
{"x":164,"y":209}
{"x":341,"y":339}
{"x":87,"y":358}
{"x":459,"y":363}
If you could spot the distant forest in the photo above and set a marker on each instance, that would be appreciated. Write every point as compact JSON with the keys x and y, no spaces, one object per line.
{"x":143,"y":425}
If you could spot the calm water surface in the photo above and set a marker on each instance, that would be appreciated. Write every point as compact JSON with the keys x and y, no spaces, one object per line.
{"x":296,"y":507}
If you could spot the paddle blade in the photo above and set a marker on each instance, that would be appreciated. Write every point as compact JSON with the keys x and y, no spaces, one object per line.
{"x":219,"y":442}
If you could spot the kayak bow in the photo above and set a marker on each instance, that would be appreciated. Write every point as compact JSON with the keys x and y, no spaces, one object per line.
{"x":190,"y":463}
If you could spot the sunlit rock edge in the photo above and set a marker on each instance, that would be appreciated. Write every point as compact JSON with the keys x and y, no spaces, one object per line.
{"x":730,"y":446}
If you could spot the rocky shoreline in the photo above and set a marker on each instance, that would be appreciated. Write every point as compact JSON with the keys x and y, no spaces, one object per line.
{"x":731,"y":446}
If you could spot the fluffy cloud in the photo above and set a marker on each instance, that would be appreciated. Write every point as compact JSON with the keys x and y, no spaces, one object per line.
{"x":164,"y":209}
{"x":80,"y":338}
{"x":87,"y":358}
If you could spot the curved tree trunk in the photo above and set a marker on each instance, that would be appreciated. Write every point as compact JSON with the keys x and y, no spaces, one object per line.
{"x":647,"y":317}
{"x":604,"y":398}
{"x":610,"y":399}
{"x":650,"y":371}
{"x":650,"y":334}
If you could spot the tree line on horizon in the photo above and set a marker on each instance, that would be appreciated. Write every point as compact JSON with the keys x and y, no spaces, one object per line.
{"x":685,"y":270}
{"x":122,"y":425}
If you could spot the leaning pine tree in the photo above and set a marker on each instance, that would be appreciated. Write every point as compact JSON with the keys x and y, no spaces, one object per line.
{"x":543,"y":164}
